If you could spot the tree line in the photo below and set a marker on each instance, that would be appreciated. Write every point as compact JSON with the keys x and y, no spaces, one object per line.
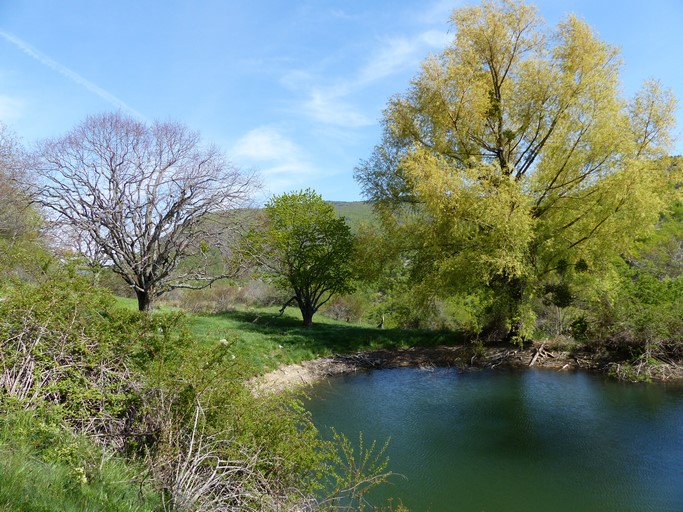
{"x":512,"y":171}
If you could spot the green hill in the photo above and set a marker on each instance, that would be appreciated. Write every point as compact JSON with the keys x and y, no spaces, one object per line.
{"x":355,"y":212}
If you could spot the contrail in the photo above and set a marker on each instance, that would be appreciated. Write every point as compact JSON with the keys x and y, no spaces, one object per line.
{"x":71,"y":75}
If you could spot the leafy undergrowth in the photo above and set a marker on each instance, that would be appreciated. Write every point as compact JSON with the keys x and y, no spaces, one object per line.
{"x":45,"y":468}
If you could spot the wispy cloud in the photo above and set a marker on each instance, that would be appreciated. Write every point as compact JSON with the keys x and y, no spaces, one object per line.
{"x":327,"y":105}
{"x":334,"y":104}
{"x":400,"y":53}
{"x":266,"y":143}
{"x":281,"y":163}
{"x":68,"y":73}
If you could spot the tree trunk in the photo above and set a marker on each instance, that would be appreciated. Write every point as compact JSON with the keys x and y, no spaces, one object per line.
{"x":506,"y":320}
{"x":307,"y":314}
{"x":307,"y":311}
{"x":144,"y":300}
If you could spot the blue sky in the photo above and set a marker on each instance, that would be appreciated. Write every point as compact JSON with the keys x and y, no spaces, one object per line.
{"x":292,"y":89}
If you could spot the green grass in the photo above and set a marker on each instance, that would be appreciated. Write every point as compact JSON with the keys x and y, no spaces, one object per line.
{"x":127,"y":303}
{"x":262,"y":340}
{"x":132,"y":305}
{"x":44,"y":468}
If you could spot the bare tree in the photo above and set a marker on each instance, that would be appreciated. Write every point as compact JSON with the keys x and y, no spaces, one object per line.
{"x":16,"y":216}
{"x":141,"y":198}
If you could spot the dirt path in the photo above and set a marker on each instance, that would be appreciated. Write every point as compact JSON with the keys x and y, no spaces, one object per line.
{"x":300,"y":375}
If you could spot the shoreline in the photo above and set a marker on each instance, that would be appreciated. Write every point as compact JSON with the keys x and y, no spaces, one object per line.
{"x":300,"y":375}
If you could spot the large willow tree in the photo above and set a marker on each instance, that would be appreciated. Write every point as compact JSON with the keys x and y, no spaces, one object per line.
{"x":514,"y":157}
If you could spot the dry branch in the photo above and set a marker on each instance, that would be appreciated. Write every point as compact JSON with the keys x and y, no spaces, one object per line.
{"x":539,"y":353}
{"x":140,"y":199}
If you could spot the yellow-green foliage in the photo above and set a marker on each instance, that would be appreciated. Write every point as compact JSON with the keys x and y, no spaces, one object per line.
{"x":518,"y":155}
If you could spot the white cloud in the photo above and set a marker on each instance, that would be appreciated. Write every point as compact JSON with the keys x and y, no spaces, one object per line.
{"x":400,"y":53}
{"x":266,"y":144}
{"x":68,"y":73}
{"x":282,"y":163}
{"x":393,"y":56}
{"x":334,"y":104}
{"x":328,"y":106}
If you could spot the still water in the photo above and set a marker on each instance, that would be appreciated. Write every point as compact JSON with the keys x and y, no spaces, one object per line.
{"x":514,"y":441}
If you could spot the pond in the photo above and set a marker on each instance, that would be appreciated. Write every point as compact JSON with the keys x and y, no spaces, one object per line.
{"x":514,"y":441}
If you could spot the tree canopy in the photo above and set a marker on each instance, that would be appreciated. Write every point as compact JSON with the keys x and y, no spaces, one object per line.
{"x":139,"y":198}
{"x":305,"y":248}
{"x":514,"y":158}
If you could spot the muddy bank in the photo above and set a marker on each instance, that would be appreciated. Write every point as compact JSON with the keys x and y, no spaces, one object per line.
{"x":463,"y":357}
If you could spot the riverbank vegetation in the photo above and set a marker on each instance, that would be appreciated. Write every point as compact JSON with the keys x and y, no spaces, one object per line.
{"x":106,"y":408}
{"x":519,"y":208}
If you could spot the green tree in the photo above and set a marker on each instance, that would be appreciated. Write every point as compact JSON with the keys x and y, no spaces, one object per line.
{"x":513,"y":157}
{"x":305,"y":248}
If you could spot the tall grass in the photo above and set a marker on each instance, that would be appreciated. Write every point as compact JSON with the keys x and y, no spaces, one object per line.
{"x":44,"y":468}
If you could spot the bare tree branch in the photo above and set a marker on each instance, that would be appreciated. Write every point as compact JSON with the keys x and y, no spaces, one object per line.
{"x":140,"y":198}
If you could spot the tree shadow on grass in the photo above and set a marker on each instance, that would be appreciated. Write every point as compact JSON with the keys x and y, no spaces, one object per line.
{"x":323,"y":337}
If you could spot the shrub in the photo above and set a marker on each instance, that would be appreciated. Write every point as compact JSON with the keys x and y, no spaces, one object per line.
{"x":66,"y":346}
{"x":349,"y":308}
{"x":137,"y":384}
{"x":199,"y":411}
{"x":224,"y":296}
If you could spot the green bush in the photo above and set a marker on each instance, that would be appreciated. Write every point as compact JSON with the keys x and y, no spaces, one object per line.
{"x":98,"y":379}
{"x":272,"y":431}
{"x":65,"y":346}
{"x":637,"y":316}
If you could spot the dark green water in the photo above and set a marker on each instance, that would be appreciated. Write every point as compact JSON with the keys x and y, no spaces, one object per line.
{"x":515,"y":441}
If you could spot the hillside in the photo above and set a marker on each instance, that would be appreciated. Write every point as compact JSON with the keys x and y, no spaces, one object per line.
{"x":355,"y":212}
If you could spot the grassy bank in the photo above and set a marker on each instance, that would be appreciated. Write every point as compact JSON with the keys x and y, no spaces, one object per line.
{"x":262,"y":339}
{"x":128,"y":405}
{"x":45,"y":468}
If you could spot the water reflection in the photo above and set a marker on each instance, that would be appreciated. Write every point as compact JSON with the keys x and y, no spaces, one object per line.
{"x":534,"y":440}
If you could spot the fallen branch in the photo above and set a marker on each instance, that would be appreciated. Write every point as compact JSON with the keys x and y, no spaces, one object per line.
{"x":539,"y":352}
